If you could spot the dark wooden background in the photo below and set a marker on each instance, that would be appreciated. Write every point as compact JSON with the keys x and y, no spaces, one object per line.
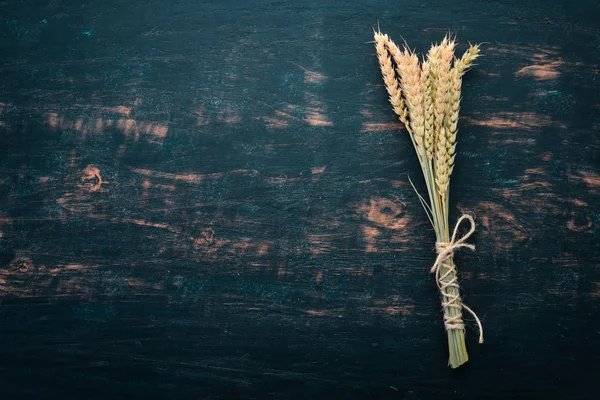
{"x":210,"y":199}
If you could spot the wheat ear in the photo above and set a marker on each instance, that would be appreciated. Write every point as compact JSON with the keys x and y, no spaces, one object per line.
{"x":451,"y":120}
{"x":466,"y":61}
{"x":409,"y":72}
{"x":443,"y":88}
{"x":410,"y":81}
{"x":390,"y":80}
{"x":461,"y":66}
{"x":427,"y":88}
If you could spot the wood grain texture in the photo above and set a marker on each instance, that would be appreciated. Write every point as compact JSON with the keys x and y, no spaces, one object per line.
{"x":210,"y":200}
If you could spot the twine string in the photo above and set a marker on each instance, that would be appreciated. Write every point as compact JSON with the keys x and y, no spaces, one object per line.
{"x":445,"y":251}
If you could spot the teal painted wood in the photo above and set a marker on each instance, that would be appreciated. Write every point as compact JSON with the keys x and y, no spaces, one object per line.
{"x":211,"y":200}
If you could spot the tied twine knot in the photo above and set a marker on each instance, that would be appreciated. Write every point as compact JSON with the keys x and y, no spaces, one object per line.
{"x":448,"y":279}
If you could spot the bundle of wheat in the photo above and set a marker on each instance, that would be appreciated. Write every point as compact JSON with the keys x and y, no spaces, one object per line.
{"x":426,"y":97}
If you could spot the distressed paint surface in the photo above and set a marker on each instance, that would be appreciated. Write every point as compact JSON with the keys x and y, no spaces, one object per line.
{"x":211,"y":200}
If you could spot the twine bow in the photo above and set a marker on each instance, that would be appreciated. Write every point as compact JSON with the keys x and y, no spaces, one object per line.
{"x":445,"y":251}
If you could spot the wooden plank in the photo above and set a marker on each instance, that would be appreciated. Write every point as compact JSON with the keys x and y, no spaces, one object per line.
{"x":211,"y":200}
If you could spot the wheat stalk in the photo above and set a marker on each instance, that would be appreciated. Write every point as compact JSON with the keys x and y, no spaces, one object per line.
{"x":427,"y":97}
